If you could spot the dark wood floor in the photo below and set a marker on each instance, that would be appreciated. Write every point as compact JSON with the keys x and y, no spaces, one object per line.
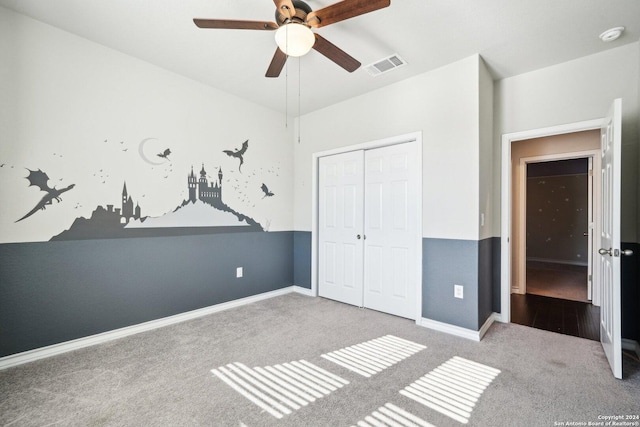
{"x":557,"y":315}
{"x":557,"y":280}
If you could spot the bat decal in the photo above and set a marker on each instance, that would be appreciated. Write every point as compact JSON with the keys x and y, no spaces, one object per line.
{"x":238,"y":153}
{"x":165,"y":154}
{"x":266,"y":191}
{"x":40,"y":179}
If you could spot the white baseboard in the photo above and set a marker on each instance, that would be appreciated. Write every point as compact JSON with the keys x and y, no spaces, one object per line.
{"x":303,"y":291}
{"x":487,"y":323}
{"x":457,"y":330}
{"x":55,"y":349}
{"x":498,"y":317}
{"x":631,"y":345}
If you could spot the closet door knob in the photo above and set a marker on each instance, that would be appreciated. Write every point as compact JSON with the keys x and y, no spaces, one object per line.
{"x":358,"y":237}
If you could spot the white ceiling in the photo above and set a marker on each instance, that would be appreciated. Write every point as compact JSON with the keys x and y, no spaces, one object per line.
{"x":513,"y":36}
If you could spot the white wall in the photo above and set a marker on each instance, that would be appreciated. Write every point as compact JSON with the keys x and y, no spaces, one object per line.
{"x":66,"y":95}
{"x":575,"y":91}
{"x":486,"y":166}
{"x":444,"y":105}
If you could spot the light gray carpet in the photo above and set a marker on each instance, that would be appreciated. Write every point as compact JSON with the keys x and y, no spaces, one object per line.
{"x":164,"y":378}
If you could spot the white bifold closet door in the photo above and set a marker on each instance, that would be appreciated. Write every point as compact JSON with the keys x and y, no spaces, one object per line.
{"x":369,"y":228}
{"x":340,"y":222}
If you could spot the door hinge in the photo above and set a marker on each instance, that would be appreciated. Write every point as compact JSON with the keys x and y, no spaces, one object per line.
{"x":590,"y":278}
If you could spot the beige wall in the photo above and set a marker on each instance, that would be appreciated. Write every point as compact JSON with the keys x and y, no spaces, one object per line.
{"x":558,"y":144}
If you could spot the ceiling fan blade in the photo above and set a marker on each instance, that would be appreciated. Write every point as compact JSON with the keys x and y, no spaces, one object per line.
{"x":336,"y":54}
{"x":285,"y":7}
{"x":235,"y":25}
{"x":344,"y":10}
{"x":277,"y":63}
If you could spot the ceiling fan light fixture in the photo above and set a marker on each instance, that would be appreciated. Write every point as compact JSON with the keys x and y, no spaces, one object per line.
{"x":295,"y":39}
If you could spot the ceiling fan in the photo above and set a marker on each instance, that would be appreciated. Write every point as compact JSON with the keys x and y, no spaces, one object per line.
{"x":294,"y":20}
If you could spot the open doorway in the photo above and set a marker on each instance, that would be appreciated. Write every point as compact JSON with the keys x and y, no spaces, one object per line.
{"x":553,"y":231}
{"x":558,"y":217}
{"x":607,"y":269}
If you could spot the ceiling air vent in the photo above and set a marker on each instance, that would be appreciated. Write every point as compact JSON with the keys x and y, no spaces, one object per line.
{"x":385,"y":65}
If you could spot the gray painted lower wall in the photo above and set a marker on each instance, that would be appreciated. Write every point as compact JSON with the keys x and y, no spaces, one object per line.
{"x":302,"y":259}
{"x":469,"y":263}
{"x":496,"y":248}
{"x":447,"y":262}
{"x":52,"y":292}
{"x":485,"y":280}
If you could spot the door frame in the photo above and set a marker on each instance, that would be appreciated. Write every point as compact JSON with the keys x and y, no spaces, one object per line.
{"x":394,"y":140}
{"x":506,"y":200}
{"x":593,"y":205}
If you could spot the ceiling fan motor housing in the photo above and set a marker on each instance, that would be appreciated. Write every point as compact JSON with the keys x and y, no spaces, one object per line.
{"x":301,"y":11}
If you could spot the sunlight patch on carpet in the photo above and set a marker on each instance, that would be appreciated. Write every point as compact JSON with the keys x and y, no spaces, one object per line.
{"x":370,"y":357}
{"x":452,"y":388}
{"x":390,"y":415}
{"x":280,"y":389}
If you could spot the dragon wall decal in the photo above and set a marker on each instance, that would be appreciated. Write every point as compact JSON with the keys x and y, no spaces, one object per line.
{"x":165,"y":154}
{"x":267,"y":192}
{"x":238,"y":153}
{"x":40,"y":179}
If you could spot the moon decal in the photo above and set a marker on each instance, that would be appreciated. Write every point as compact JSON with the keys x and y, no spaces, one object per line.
{"x":141,"y":151}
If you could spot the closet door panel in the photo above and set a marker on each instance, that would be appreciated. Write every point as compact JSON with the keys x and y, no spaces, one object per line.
{"x":340,"y":224}
{"x":391,"y":226}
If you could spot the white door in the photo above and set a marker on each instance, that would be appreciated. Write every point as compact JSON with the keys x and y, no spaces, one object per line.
{"x":340,"y":224}
{"x":610,"y":318}
{"x":391,"y":227}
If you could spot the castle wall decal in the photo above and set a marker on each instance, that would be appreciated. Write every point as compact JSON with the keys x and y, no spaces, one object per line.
{"x":204,"y":212}
{"x":208,"y":193}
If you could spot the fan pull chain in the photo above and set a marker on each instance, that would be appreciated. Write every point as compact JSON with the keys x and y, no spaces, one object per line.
{"x":286,"y":95}
{"x":299,"y":85}
{"x":286,"y":82}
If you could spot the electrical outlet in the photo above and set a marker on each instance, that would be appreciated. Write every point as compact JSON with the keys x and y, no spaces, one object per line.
{"x":458,"y":291}
{"x":239,"y":272}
